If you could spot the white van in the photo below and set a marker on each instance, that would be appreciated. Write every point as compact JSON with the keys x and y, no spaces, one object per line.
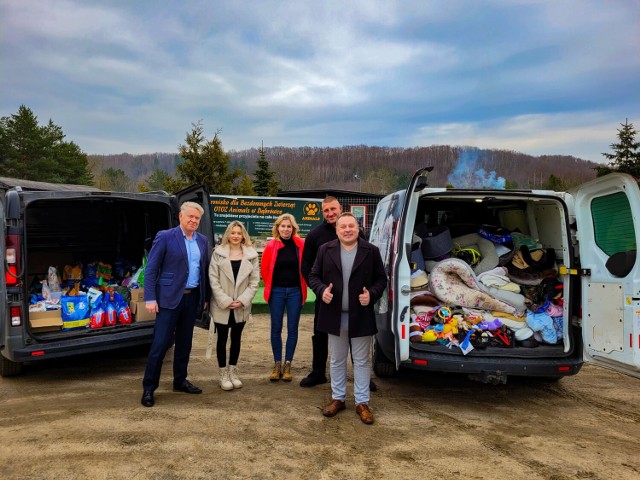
{"x":591,"y":231}
{"x":56,"y":225}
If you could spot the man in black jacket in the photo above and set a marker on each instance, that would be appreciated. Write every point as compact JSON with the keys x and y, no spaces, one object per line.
{"x":348,"y":277}
{"x":323,"y":233}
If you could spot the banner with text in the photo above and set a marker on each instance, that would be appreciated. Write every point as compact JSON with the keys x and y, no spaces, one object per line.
{"x":258,"y":214}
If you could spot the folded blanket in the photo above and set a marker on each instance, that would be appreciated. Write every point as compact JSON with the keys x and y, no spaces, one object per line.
{"x":511,"y":321}
{"x":453,"y":282}
{"x":498,"y":277}
{"x":494,"y":281}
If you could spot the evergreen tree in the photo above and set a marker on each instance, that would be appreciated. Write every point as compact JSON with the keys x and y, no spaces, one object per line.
{"x":244,"y":186}
{"x":626,"y":156}
{"x":114,"y":180}
{"x":554,"y":183}
{"x":33,"y":152}
{"x":379,"y":180}
{"x":265,"y":183}
{"x":204,"y":163}
{"x":154,"y":181}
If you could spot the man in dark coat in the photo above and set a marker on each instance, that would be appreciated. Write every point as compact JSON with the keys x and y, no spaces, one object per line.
{"x":323,"y":233}
{"x":318,"y":236}
{"x":348,"y":277}
{"x":175,"y":286}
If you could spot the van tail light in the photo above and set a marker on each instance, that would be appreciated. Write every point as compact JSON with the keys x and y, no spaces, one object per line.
{"x":16,"y":316}
{"x":12,"y":259}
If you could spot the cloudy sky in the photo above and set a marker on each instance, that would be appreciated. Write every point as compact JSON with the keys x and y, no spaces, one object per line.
{"x":536,"y":76}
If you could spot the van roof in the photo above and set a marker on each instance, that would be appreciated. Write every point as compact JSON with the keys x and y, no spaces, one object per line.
{"x":7,"y":182}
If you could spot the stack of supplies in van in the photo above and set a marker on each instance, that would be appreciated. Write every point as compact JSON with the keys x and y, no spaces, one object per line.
{"x":91,"y":296}
{"x":492,"y":288}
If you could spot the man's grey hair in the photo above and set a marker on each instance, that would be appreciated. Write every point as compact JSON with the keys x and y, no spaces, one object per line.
{"x":195,"y":205}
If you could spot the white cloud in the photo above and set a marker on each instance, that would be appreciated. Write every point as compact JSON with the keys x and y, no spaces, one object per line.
{"x":529,"y":75}
{"x":565,"y":134}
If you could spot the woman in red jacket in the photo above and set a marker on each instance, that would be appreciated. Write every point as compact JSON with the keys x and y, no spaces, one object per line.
{"x":284,"y":287}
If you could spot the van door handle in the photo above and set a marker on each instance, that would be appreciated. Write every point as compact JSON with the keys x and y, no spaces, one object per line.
{"x":405,"y":290}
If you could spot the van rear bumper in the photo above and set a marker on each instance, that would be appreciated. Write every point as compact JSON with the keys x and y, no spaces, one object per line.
{"x":496,"y":367}
{"x":82,"y":345}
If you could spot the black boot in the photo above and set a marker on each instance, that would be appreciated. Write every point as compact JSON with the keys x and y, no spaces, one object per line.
{"x":318,"y":373}
{"x":314,"y":378}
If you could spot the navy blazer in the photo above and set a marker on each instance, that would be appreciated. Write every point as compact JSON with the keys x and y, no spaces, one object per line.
{"x":165,"y":276}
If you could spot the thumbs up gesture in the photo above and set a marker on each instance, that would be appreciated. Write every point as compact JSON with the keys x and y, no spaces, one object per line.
{"x":327,"y":296}
{"x":364,"y":297}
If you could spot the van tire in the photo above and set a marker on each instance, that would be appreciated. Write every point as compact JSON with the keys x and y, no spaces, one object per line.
{"x":382,"y":366}
{"x":9,"y":368}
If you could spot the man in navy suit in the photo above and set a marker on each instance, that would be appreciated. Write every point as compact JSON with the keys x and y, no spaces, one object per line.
{"x":175,"y":285}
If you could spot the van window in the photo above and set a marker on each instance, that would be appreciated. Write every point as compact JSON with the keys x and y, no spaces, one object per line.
{"x":382,"y":235}
{"x":613,"y":223}
{"x":387,"y":214}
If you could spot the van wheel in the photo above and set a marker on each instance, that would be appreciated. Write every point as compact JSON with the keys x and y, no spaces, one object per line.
{"x":382,"y":366}
{"x":9,"y":368}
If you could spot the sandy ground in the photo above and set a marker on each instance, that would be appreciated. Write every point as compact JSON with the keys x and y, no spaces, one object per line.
{"x":81,"y":418}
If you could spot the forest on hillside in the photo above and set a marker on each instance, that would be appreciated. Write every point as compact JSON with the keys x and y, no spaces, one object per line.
{"x":380,"y":169}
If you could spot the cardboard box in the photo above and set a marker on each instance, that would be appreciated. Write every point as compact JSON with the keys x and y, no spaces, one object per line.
{"x":49,"y":321}
{"x":139,"y":313}
{"x":137,"y":295}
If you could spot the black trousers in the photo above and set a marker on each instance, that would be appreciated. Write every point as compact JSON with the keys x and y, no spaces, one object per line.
{"x":320,"y":345}
{"x":221,"y":343}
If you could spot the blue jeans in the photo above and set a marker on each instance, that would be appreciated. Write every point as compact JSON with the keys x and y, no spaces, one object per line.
{"x":291,"y":298}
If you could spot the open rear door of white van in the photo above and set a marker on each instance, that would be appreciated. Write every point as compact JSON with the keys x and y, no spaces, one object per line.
{"x":608,"y":223}
{"x":401,"y":277}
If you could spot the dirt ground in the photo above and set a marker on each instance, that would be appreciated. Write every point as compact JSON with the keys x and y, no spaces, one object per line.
{"x":81,"y":418}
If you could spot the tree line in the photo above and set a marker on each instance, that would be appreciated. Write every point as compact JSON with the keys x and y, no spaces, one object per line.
{"x":31,"y":151}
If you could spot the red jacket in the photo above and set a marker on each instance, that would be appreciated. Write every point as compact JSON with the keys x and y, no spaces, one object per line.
{"x":268,"y":263}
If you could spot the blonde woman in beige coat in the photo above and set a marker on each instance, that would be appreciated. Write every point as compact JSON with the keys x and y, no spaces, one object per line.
{"x":234,"y":274}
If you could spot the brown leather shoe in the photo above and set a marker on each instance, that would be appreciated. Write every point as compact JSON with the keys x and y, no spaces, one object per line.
{"x":333,"y":408}
{"x":365,"y":414}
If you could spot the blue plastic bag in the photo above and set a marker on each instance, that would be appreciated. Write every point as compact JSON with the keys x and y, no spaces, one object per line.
{"x":74,"y":308}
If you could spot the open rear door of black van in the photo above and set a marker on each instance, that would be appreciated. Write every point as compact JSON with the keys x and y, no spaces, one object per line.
{"x":3,"y":268}
{"x":608,"y":222}
{"x":200,"y":195}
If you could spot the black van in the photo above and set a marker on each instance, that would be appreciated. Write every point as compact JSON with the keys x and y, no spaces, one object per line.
{"x":49,"y":224}
{"x":589,"y":236}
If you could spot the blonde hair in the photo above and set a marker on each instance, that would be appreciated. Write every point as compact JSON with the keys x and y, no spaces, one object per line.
{"x":279,"y":220}
{"x":246,"y":239}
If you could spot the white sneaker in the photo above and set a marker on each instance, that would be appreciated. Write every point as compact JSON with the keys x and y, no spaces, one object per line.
{"x":225,"y":382}
{"x":233,"y":376}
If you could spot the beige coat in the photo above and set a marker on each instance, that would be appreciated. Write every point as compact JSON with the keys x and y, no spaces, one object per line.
{"x":226,"y":290}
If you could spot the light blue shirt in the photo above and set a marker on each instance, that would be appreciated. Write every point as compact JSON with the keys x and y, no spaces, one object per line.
{"x":193,"y":256}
